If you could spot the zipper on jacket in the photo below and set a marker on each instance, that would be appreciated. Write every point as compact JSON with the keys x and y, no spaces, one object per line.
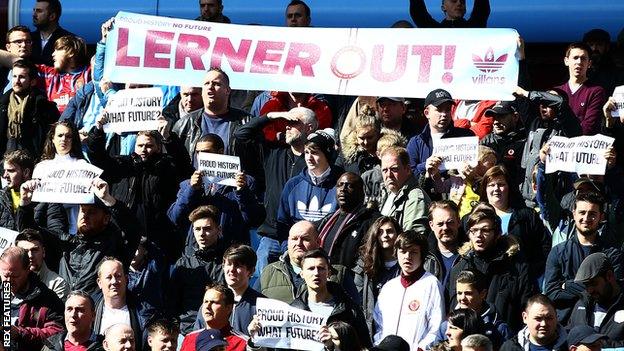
{"x":396,"y":330}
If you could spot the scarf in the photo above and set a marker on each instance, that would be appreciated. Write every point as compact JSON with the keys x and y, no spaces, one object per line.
{"x":16,"y":115}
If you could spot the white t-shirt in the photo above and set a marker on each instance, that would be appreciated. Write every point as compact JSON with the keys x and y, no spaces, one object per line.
{"x":112,"y":316}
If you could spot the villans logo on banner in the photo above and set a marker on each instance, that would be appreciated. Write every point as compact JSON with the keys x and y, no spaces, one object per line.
{"x":488,"y":65}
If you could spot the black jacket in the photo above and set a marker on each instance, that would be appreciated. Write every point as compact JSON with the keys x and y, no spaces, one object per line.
{"x":44,"y":55}
{"x":188,"y":283}
{"x":561,"y":267}
{"x":80,"y":254}
{"x":57,"y":343}
{"x":136,"y":323}
{"x":347,"y":242}
{"x":478,"y":17}
{"x":611,"y":326}
{"x":282,"y":165}
{"x":48,"y":215}
{"x":345,"y":311}
{"x":508,"y":149}
{"x":39,"y":114}
{"x":510,"y":282}
{"x":147,"y":187}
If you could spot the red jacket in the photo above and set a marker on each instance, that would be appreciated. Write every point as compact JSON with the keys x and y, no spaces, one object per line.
{"x":40,"y":316}
{"x":235,"y":342}
{"x":482,"y":125}
{"x":279,"y":103}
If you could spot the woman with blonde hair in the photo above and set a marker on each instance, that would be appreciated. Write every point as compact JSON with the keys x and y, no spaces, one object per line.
{"x":359,"y":147}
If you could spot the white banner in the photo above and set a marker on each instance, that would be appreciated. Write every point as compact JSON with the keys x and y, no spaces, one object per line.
{"x":472,"y":64}
{"x":133,"y":110}
{"x":65,"y":182}
{"x":582,"y":155}
{"x":217,"y":168}
{"x":286,"y":327}
{"x":7,"y":238}
{"x":456,"y":151}
{"x":618,"y":96}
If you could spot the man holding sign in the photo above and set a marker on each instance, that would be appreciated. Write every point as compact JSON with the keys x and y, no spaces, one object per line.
{"x":239,"y":205}
{"x":97,"y":237}
{"x":146,"y":181}
{"x":323,"y":298}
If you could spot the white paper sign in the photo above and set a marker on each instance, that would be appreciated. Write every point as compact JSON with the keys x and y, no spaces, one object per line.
{"x":65,"y":182}
{"x":456,"y":151}
{"x":283,"y":326}
{"x":582,"y":155}
{"x":133,"y":110}
{"x":217,"y":168}
{"x":618,"y":96}
{"x":7,"y":238}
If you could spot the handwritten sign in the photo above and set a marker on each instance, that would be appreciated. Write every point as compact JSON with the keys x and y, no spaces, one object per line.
{"x":456,"y":151}
{"x":582,"y":155}
{"x":133,"y":110}
{"x":7,"y":238}
{"x":283,"y":326}
{"x":618,"y":96}
{"x":217,"y":168}
{"x":65,"y":182}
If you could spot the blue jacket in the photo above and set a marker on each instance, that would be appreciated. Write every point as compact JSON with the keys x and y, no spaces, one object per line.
{"x":302,"y":200}
{"x":240,"y":210}
{"x":420,"y":146}
{"x":561,"y":267}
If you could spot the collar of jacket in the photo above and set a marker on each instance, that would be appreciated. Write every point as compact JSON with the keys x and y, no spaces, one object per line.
{"x":34,"y":288}
{"x":207,"y":254}
{"x":523,"y":338}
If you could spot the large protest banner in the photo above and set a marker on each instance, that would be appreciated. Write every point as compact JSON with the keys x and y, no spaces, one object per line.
{"x":7,"y":238}
{"x":473,"y":64}
{"x":133,"y":110}
{"x":217,"y":168}
{"x":283,"y":326}
{"x":582,"y":155}
{"x":618,"y":97}
{"x":65,"y":182}
{"x":456,"y":151}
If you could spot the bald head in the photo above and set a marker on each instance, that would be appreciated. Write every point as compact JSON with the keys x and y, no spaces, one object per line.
{"x":119,"y":337}
{"x":302,"y":238}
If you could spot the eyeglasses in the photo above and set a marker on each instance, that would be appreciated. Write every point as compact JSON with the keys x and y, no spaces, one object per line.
{"x":477,"y":231}
{"x":21,"y":41}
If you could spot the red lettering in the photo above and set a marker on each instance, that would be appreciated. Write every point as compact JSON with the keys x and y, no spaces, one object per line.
{"x":399,"y":65}
{"x":236,"y":58}
{"x":154,"y":46}
{"x":193,"y":47}
{"x":304,"y":55}
{"x":426,"y":52}
{"x":122,"y":50}
{"x":262,"y":55}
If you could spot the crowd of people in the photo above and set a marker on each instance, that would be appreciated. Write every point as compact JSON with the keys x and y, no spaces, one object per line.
{"x":341,"y":208}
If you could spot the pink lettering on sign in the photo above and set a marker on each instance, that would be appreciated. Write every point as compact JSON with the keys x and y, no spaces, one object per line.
{"x":122,"y":50}
{"x":157,"y":42}
{"x":224,"y":48}
{"x":262,"y":57}
{"x":426,"y":53}
{"x":399,"y":64}
{"x":304,"y":56}
{"x":193,"y":47}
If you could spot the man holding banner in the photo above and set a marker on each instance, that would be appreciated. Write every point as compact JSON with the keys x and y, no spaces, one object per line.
{"x":97,"y":237}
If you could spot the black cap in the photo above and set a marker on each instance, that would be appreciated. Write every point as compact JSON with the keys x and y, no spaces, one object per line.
{"x":586,"y":180}
{"x":583,"y":335}
{"x":593,"y":266}
{"x":208,"y":339}
{"x":397,"y":99}
{"x":438,"y":97}
{"x":501,"y":108}
{"x":392,"y":343}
